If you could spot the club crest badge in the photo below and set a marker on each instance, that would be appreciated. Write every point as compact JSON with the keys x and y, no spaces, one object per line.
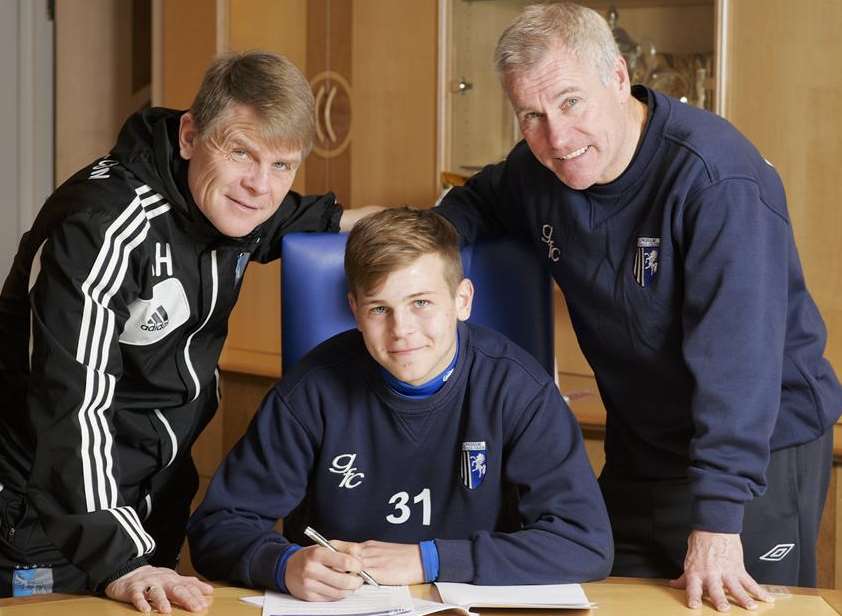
{"x":646,"y":260}
{"x":473,"y":463}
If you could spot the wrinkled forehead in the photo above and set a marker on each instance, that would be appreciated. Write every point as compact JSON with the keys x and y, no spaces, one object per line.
{"x":241,"y":124}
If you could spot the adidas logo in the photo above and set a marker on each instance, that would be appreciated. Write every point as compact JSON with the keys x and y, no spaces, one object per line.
{"x":158,"y":321}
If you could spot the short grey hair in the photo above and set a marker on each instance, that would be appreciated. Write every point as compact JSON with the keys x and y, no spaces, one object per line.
{"x":541,"y":28}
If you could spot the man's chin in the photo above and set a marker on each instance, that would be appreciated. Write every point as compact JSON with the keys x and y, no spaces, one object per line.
{"x":404,"y":374}
{"x":235,"y":231}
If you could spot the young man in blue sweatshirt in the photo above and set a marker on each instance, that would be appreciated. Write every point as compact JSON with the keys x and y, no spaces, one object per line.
{"x":668,"y":234}
{"x":432,"y":448}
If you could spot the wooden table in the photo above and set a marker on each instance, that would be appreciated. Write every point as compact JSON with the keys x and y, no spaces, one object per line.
{"x":614,"y":597}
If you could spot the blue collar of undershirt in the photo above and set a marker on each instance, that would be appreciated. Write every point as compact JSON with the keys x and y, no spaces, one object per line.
{"x":425,"y":390}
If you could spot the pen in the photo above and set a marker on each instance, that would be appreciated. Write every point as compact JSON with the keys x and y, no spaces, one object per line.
{"x":315,"y":536}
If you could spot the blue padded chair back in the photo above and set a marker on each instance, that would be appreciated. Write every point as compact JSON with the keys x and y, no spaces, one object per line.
{"x":512,"y":293}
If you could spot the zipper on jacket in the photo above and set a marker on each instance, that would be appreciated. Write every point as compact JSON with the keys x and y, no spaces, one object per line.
{"x":171,"y":433}
{"x":214,"y":293}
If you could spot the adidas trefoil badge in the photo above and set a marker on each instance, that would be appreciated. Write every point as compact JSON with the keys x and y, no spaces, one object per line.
{"x":151,"y":320}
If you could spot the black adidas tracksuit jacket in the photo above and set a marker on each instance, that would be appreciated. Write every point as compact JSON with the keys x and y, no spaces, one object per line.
{"x":109,"y":354}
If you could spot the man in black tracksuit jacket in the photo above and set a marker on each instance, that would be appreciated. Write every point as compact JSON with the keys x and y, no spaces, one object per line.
{"x":113,"y":318}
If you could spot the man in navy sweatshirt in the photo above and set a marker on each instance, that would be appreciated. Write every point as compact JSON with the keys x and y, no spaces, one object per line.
{"x":431,"y":448}
{"x":669,"y":235}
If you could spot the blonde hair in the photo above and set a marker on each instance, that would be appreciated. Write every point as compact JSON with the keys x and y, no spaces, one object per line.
{"x":544,"y":27}
{"x":268,"y":84}
{"x":393,"y":239}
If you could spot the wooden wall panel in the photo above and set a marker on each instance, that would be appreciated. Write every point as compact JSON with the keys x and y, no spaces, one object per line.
{"x":94,"y":93}
{"x":394,"y":103}
{"x":254,"y":339}
{"x":188,"y":41}
{"x":785,"y":95}
{"x":329,"y":32}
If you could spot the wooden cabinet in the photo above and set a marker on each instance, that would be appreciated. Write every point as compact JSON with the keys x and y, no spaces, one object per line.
{"x":783,"y":90}
{"x":372,"y":67}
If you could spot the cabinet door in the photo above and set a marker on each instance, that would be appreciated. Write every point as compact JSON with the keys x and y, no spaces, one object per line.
{"x":372,"y":66}
{"x":784,"y":92}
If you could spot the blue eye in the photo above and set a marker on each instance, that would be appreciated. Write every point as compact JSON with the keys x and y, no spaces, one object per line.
{"x":282,"y":166}
{"x":570,"y":102}
{"x":422,"y":303}
{"x":239,"y":155}
{"x":377,"y":310}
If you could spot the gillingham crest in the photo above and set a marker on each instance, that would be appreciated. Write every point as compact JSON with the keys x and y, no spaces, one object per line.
{"x":473,"y":463}
{"x":646,"y":260}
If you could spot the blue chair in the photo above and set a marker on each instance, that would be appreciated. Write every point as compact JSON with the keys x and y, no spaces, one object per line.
{"x":512,"y":293}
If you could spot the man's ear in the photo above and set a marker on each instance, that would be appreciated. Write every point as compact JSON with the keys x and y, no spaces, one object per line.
{"x":187,"y":135}
{"x":464,"y":299}
{"x":620,"y":79}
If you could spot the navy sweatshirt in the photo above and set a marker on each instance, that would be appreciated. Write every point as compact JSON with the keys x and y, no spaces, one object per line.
{"x":492,"y":467}
{"x":687,"y":297}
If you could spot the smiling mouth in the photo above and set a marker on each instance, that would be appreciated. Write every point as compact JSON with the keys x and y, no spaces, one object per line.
{"x":575,"y":153}
{"x":242,"y":204}
{"x":401,"y":352}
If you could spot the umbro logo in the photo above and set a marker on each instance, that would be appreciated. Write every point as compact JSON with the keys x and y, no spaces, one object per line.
{"x":158,"y":321}
{"x":778,"y":553}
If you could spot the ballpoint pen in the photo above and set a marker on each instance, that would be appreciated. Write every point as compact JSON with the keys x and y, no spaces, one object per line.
{"x":315,"y":536}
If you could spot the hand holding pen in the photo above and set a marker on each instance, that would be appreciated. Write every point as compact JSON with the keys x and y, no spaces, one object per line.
{"x":315,"y":536}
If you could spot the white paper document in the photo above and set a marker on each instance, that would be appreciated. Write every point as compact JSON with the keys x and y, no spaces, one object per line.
{"x":366,"y":601}
{"x":558,"y":596}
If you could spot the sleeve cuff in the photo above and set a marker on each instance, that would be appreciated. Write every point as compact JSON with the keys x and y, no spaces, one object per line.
{"x":333,"y":214}
{"x":456,"y":560}
{"x":281,"y":569}
{"x":718,"y":516}
{"x":264,"y":565}
{"x":429,"y":560}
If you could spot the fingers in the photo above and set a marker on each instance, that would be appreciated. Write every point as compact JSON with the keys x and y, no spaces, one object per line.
{"x":157,"y":598}
{"x":348,"y":547}
{"x":338,"y":560}
{"x":138,"y":599}
{"x":739,"y":594}
{"x":743,"y":591}
{"x":318,"y":574}
{"x":339,"y":580}
{"x":156,"y":588}
{"x":189,"y":597}
{"x":757,"y":590}
{"x":716,"y":594}
{"x":694,"y":588}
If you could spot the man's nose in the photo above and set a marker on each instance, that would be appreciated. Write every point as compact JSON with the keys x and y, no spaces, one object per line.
{"x":402,"y":323}
{"x":557,"y":132}
{"x":257,"y":179}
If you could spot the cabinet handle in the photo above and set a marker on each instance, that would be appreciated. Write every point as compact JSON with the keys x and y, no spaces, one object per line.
{"x":328,"y":106}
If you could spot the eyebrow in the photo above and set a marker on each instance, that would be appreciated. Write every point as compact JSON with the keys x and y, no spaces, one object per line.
{"x":375,"y":300}
{"x":561,"y":94}
{"x":238,"y":140}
